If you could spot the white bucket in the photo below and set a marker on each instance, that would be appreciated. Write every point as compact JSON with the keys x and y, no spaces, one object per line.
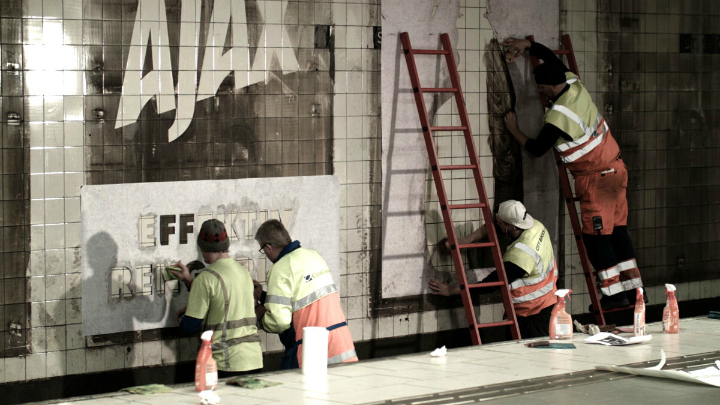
{"x":314,"y":350}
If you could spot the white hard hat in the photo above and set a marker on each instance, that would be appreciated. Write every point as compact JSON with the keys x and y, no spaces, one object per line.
{"x":514,"y":213}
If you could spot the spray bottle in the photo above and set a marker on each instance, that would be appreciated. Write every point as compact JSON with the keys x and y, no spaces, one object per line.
{"x":206,"y":376}
{"x":639,"y":316}
{"x":561,"y":326}
{"x":671,"y":314}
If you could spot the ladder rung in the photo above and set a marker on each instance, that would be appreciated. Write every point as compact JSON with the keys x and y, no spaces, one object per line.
{"x":429,"y":51}
{"x":439,"y":89}
{"x":493,"y":324}
{"x":561,"y":52}
{"x":457,"y":167}
{"x":466,"y":206}
{"x":485,"y":285}
{"x":476,"y":245}
{"x":448,"y":128}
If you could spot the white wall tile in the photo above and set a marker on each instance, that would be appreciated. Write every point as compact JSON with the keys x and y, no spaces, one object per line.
{"x":370,"y":328}
{"x":55,"y":287}
{"x":75,"y":338}
{"x":115,"y":357}
{"x":401,"y":325}
{"x":386,"y":326}
{"x":356,"y":329}
{"x":76,"y":361}
{"x":36,"y":366}
{"x":73,"y":310}
{"x":14,"y":369}
{"x":56,"y":364}
{"x":55,"y":313}
{"x":134,"y":355}
{"x":56,"y":339}
{"x":95,"y":359}
{"x":169,"y":351}
{"x":152,"y":353}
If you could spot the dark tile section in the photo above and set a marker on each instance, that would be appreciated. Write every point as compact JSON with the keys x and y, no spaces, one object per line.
{"x":279,"y":128}
{"x":14,"y":184}
{"x":659,"y":88}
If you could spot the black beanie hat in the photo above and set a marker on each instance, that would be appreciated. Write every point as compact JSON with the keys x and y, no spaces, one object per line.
{"x":549,"y":73}
{"x":213,"y":237}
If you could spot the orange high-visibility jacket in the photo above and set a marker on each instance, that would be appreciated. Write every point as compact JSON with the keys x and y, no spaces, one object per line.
{"x":532,"y":251}
{"x":593,"y":147}
{"x":301,"y":290}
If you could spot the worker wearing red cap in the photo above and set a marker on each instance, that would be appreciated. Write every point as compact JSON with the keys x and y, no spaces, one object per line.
{"x":574,"y":126}
{"x":529,"y":264}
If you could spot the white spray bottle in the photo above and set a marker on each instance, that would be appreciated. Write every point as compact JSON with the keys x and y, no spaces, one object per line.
{"x":561,"y":326}
{"x":671,"y":313}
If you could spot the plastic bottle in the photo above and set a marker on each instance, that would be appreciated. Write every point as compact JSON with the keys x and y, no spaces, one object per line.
{"x":639,"y":316}
{"x":671,"y":313}
{"x":561,"y":326}
{"x":206,"y":376}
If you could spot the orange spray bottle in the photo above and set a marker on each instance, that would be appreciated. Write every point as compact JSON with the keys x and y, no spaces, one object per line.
{"x":671,"y":313}
{"x":639,"y":315}
{"x":206,"y":376}
{"x":561,"y":326}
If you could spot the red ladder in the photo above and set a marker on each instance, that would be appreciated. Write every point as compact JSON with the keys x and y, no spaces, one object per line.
{"x":445,"y":207}
{"x":570,"y":199}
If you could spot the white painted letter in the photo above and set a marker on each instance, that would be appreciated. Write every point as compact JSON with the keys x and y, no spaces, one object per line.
{"x":188,"y":66}
{"x":147,"y":231}
{"x":120,"y":284}
{"x":138,"y":90}
{"x":216,"y":65}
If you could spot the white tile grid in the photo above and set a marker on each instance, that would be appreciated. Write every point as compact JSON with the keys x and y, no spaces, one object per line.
{"x":451,"y":148}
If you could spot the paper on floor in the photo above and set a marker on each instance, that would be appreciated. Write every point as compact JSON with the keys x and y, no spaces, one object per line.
{"x":709,"y":375}
{"x":609,"y":339}
{"x":441,"y":352}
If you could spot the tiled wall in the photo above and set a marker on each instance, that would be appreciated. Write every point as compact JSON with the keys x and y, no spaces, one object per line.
{"x":59,"y":147}
{"x":659,"y":93}
{"x":66,"y":62}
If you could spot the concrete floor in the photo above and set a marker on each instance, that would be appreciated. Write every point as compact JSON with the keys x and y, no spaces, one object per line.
{"x":503,"y":363}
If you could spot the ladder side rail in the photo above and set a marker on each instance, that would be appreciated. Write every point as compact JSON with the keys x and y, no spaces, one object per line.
{"x":440,"y":188}
{"x":480,"y":185}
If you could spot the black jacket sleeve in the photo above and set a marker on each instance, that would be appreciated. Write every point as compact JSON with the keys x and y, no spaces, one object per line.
{"x":545,"y":140}
{"x":547,"y":55}
{"x":512,"y":270}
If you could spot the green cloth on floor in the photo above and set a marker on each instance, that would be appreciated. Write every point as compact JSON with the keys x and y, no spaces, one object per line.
{"x":557,"y":346}
{"x":251,"y":383}
{"x":148,"y":389}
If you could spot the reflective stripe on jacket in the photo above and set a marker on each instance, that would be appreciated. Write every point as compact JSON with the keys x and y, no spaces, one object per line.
{"x":592,"y":147}
{"x":301,"y":291}
{"x":532,"y":251}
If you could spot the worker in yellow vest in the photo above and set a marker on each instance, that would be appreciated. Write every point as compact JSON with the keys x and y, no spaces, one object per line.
{"x":573,"y":124}
{"x":300,"y":293}
{"x":221,"y":300}
{"x":529,"y":264}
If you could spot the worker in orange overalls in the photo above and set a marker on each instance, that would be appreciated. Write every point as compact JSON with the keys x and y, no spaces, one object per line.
{"x":573,"y":124}
{"x":300,"y":293}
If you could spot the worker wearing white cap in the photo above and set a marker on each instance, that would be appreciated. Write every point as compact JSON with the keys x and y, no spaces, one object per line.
{"x":529,"y":264}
